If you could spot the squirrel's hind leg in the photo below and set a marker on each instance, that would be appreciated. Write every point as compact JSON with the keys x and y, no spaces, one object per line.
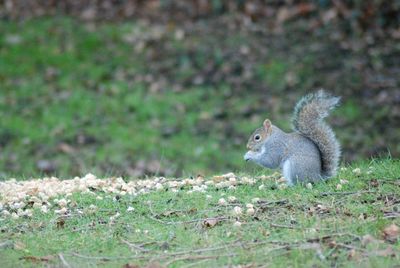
{"x":300,"y":169}
{"x":304,"y":169}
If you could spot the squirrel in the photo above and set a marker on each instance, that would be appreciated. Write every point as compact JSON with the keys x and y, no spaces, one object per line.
{"x":309,"y":154}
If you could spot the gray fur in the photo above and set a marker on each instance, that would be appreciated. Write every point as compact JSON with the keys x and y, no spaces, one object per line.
{"x":308,"y":120}
{"x":270,"y":153}
{"x":309,"y":154}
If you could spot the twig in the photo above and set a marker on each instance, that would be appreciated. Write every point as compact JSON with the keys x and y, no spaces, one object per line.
{"x":188,"y":221}
{"x":350,"y":247}
{"x":345,"y":193}
{"x":272,"y":224}
{"x":186,"y":258}
{"x":278,"y":202}
{"x":65,"y":263}
{"x":355,"y":237}
{"x":131,"y":245}
{"x":148,"y":243}
{"x":203,"y":219}
{"x":200,"y":250}
{"x":284,"y":226}
{"x":106,"y":258}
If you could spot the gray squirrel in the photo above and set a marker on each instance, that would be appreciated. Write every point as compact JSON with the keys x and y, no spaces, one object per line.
{"x":309,"y":154}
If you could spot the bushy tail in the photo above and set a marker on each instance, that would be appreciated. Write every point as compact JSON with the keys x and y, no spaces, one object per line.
{"x":308,"y":120}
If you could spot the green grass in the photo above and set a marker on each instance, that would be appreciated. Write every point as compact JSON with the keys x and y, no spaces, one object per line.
{"x":307,"y":228}
{"x":62,"y":83}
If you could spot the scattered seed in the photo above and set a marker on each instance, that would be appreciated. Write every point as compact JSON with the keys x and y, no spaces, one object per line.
{"x":231,"y":199}
{"x":237,"y":211}
{"x":250,"y":211}
{"x":357,"y":171}
{"x":249,"y":205}
{"x":222,"y":202}
{"x":237,"y":224}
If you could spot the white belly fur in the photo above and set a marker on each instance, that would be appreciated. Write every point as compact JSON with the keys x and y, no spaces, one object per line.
{"x":286,"y":170}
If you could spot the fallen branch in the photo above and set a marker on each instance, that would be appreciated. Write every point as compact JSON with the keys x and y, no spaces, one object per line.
{"x":345,"y":193}
{"x":131,"y":245}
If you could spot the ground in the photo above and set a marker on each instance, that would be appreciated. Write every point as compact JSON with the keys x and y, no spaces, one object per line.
{"x":144,"y":97}
{"x":351,"y":220}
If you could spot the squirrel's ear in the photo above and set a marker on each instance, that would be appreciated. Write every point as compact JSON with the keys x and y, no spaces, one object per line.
{"x":267,"y":124}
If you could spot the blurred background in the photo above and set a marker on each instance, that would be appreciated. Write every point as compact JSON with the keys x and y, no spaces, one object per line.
{"x":175,"y":88}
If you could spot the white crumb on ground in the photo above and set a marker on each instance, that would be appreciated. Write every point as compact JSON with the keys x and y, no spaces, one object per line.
{"x":21,"y":198}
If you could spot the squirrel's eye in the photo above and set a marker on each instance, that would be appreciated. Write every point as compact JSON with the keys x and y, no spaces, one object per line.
{"x":257,"y":137}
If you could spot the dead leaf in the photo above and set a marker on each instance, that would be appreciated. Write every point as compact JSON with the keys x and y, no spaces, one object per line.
{"x":374,"y":183}
{"x":192,"y":210}
{"x":286,"y":13}
{"x":322,"y":208}
{"x":352,"y":255}
{"x":209,"y":223}
{"x":66,"y":148}
{"x":128,"y":265}
{"x":170,"y":213}
{"x":391,"y":233}
{"x":218,"y":178}
{"x":60,"y":223}
{"x":332,"y":244}
{"x":264,"y":231}
{"x":283,"y":14}
{"x":37,"y":259}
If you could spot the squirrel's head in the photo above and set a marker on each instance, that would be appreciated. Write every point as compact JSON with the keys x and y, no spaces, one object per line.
{"x":256,"y":141}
